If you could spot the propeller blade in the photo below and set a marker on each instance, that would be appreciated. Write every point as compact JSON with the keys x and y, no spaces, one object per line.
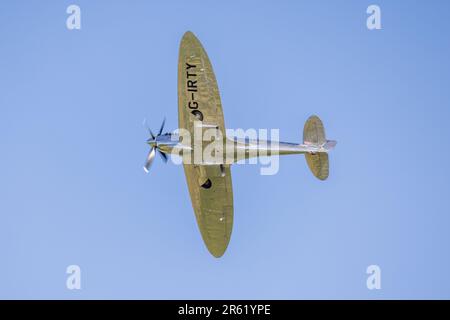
{"x":149,"y":161}
{"x":148,"y":129}
{"x":163,"y":156}
{"x":162,"y":127}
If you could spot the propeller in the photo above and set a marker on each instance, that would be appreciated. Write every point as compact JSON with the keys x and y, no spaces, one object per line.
{"x":153,"y":142}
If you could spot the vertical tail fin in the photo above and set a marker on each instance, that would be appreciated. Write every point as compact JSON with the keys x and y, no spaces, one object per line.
{"x":330,"y":144}
{"x":314,"y":133}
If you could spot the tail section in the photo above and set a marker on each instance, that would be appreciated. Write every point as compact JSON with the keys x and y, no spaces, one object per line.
{"x":330,"y":144}
{"x":318,"y":164}
{"x":314,"y":134}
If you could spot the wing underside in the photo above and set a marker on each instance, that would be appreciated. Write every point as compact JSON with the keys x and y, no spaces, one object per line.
{"x":210,"y":186}
{"x":212,"y":200}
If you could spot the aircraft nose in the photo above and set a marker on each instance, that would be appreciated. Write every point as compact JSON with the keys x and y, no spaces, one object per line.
{"x":151,"y":142}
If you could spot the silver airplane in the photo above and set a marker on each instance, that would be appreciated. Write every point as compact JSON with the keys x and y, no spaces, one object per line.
{"x":209,"y":180}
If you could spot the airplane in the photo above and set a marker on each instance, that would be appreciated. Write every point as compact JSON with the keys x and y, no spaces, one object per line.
{"x":209,"y":182}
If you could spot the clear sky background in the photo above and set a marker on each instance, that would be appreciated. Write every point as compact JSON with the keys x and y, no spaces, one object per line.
{"x":72,"y":188}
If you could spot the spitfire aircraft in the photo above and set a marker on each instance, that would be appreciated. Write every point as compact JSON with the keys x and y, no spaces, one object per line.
{"x":209,"y":182}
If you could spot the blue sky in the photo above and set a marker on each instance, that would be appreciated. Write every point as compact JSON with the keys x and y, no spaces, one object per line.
{"x":72,"y":186}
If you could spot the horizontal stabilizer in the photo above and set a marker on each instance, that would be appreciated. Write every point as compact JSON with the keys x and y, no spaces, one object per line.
{"x":318,"y":164}
{"x":314,"y":134}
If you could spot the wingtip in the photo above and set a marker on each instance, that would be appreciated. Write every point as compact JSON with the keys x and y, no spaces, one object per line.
{"x":217,"y":251}
{"x":217,"y":255}
{"x":188,"y":33}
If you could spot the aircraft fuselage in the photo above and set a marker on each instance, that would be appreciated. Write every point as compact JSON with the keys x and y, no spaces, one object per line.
{"x":234,"y":149}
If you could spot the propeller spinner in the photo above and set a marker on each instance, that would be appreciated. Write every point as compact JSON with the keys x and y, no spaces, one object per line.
{"x":153,"y":142}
